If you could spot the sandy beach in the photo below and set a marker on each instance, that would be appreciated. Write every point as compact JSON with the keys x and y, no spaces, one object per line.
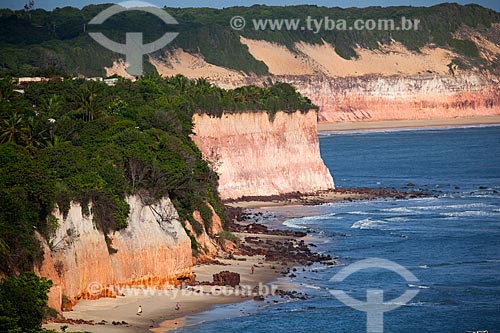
{"x":397,"y":124}
{"x":159,"y":306}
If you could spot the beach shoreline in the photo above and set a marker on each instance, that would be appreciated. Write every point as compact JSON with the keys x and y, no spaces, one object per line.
{"x":159,"y":306}
{"x":407,"y":124}
{"x":159,"y":313}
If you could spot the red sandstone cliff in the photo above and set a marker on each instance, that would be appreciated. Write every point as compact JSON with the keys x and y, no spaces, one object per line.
{"x":375,"y":98}
{"x":258,"y":156}
{"x":154,"y":250}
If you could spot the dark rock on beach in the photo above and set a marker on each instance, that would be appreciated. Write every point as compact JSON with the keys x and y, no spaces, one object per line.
{"x":226,"y":278}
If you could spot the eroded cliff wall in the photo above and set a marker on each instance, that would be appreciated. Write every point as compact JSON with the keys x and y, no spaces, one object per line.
{"x":154,"y":251}
{"x":257,"y":155}
{"x":378,"y":98}
{"x":375,"y":98}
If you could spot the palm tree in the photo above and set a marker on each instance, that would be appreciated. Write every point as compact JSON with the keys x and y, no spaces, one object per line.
{"x":182,"y":83}
{"x":52,"y":105}
{"x":12,"y":129}
{"x":4,"y":249}
{"x":6,"y":89}
{"x":55,"y":142}
{"x":203,"y":84}
{"x":34,"y":133}
{"x":87,"y":98}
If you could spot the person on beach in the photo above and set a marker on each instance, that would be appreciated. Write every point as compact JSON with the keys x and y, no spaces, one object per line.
{"x":177,"y":306}
{"x":139,"y":310}
{"x":253,"y":269}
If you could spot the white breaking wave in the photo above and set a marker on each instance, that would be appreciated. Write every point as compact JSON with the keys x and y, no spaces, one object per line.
{"x":397,"y":219}
{"x":310,"y":286}
{"x":302,"y":222}
{"x":417,"y":286}
{"x":319,"y":269}
{"x":459,"y":206}
{"x":467,"y":213}
{"x":493,"y":195}
{"x":399,"y":210}
{"x":368,"y":224}
{"x":295,"y":223}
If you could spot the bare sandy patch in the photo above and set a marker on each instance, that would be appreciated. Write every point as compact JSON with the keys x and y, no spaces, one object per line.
{"x":279,"y":59}
{"x":192,"y":66}
{"x":399,"y":124}
{"x":119,"y":68}
{"x":393,"y":59}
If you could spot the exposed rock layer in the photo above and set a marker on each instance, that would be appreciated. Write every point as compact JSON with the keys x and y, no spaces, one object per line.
{"x":255,"y":155}
{"x":154,"y":251}
{"x":375,"y":98}
{"x":378,"y":98}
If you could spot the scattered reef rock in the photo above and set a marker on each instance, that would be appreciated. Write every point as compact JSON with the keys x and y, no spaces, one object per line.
{"x":226,"y":278}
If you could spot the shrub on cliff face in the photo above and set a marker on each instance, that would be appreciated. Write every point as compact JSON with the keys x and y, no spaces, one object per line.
{"x":26,"y":200}
{"x":23,"y":303}
{"x":227,"y":235}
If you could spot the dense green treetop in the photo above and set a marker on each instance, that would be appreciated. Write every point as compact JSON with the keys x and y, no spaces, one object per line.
{"x":37,"y":41}
{"x":23,"y":303}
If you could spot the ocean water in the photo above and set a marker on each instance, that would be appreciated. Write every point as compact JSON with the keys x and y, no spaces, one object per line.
{"x":450,"y":241}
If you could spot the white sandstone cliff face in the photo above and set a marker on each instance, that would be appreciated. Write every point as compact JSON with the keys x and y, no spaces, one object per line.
{"x":154,"y":250}
{"x":256,"y":156}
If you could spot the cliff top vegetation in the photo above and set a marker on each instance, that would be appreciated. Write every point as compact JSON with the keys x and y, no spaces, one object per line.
{"x":57,"y":42}
{"x":85,"y":141}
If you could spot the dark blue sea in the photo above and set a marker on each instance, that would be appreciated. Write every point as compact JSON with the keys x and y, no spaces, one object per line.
{"x":449,"y":240}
